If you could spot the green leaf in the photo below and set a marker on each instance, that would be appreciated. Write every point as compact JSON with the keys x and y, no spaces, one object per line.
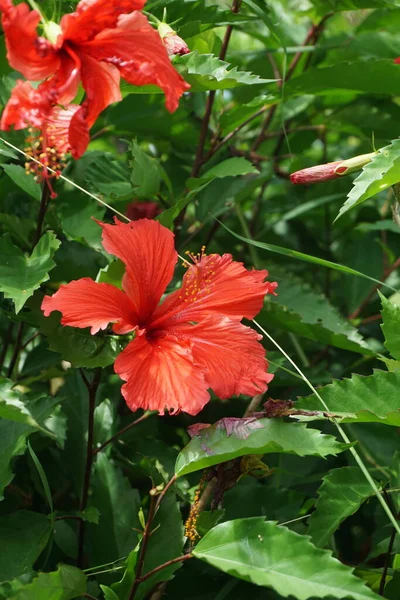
{"x":24,"y":535}
{"x":212,"y":446}
{"x":20,"y":276}
{"x":145,"y":178}
{"x":207,"y":72}
{"x":297,"y":308}
{"x":376,"y":176}
{"x":324,"y":6}
{"x":305,"y":257}
{"x":372,"y":76}
{"x":264,"y":553}
{"x":24,"y":181}
{"x":108,"y":176}
{"x":118,"y":505}
{"x":231,"y":167}
{"x":108,"y":593}
{"x":371,"y":398}
{"x":341,"y":494}
{"x":64,"y":584}
{"x":43,"y":477}
{"x":12,"y":406}
{"x":391,"y":326}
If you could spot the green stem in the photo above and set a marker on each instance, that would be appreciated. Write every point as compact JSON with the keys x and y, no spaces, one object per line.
{"x":343,"y":434}
{"x":301,"y":354}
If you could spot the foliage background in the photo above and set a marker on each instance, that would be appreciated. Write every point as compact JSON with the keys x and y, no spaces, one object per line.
{"x":299,"y":83}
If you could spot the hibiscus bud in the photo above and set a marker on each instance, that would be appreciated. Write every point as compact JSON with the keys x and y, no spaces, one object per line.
{"x":142,"y":210}
{"x":332,"y":170}
{"x":172,"y":42}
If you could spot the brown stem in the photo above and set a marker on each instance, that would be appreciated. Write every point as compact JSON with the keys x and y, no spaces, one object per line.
{"x":92,"y":389}
{"x":28,"y":341}
{"x":373,"y":291}
{"x":164,"y":566}
{"x":164,"y":491}
{"x":6,"y":343}
{"x":121,"y":432}
{"x":66,"y":517}
{"x":44,"y":202}
{"x":143,"y":547}
{"x":17,"y":349}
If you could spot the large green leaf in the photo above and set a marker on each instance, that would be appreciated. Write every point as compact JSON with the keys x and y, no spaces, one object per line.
{"x":24,"y":181}
{"x":231,"y":167}
{"x":207,"y":72}
{"x":12,"y":406}
{"x":371,"y":398}
{"x":64,"y":584}
{"x":118,"y":504}
{"x":145,"y":178}
{"x":23,"y":536}
{"x":108,"y":176}
{"x":341,"y":494}
{"x":391,"y":326}
{"x":305,"y":257}
{"x":213,"y":445}
{"x":297,"y":308}
{"x":373,"y":76}
{"x":382,"y":172}
{"x":273,"y":556}
{"x":20,"y":275}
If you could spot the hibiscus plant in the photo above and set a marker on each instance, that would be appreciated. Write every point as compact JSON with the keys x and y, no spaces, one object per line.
{"x":199,"y":299}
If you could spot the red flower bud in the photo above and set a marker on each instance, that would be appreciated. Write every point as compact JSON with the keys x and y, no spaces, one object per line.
{"x":142,"y":210}
{"x":397,"y":60}
{"x":172,"y":42}
{"x":332,"y":170}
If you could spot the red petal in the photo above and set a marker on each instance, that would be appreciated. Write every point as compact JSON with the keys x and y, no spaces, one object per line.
{"x":93,"y":16}
{"x":231,"y":354}
{"x":138,"y":52}
{"x":27,"y":53}
{"x":160,"y":375}
{"x":147,"y":249}
{"x":63,"y":86}
{"x":101,"y":84}
{"x":26,"y":107}
{"x":67,"y":130}
{"x":85,"y":303}
{"x":216,"y":285}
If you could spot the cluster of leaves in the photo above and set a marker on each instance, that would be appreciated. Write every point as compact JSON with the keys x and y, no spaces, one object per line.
{"x":301,"y":498}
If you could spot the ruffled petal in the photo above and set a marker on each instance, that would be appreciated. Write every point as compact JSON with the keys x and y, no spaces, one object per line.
{"x":67,"y":130}
{"x":63,"y":86}
{"x":216,"y":285}
{"x":25,"y":108}
{"x":27,"y":53}
{"x":136,"y":49}
{"x":161,"y":375}
{"x":93,"y":16}
{"x":147,"y":250}
{"x":230,"y":352}
{"x":85,"y":303}
{"x":101,"y":84}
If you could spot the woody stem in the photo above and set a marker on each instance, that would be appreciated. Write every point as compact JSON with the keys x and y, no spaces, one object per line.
{"x":44,"y":202}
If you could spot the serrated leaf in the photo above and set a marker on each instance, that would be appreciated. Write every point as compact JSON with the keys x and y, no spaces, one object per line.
{"x":24,"y":181}
{"x":301,"y":310}
{"x":376,"y":176}
{"x":66,"y":583}
{"x":207,"y":72}
{"x":232,"y":167}
{"x":391,"y":326}
{"x":340,"y":495}
{"x":24,"y":534}
{"x":108,"y":176}
{"x":264,"y":553}
{"x":372,"y":76}
{"x":371,"y":398}
{"x":145,"y":177}
{"x":212,"y":445}
{"x":20,"y":275}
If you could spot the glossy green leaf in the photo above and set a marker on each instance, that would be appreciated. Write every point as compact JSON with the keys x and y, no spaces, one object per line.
{"x":305,"y":257}
{"x":340,"y":495}
{"x":212,"y":445}
{"x":108,"y":176}
{"x":232,"y":167}
{"x":108,"y":593}
{"x":371,"y":398}
{"x":376,"y":176}
{"x":23,"y":536}
{"x":207,"y":72}
{"x":145,"y":177}
{"x":24,"y":181}
{"x":273,"y":556}
{"x":66,"y":583}
{"x":20,"y":275}
{"x":12,"y":406}
{"x":391,"y":326}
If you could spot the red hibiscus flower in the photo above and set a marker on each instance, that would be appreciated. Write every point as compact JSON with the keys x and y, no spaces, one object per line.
{"x":193,"y":340}
{"x":142,"y":210}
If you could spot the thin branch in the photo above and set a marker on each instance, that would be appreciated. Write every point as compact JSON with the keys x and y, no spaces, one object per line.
{"x":6,"y":343}
{"x":371,"y":294}
{"x":44,"y":202}
{"x":165,"y":565}
{"x":121,"y":432}
{"x":92,"y":390}
{"x":389,"y":550}
{"x":143,"y":547}
{"x":17,"y":349}
{"x":164,"y":491}
{"x":66,"y":517}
